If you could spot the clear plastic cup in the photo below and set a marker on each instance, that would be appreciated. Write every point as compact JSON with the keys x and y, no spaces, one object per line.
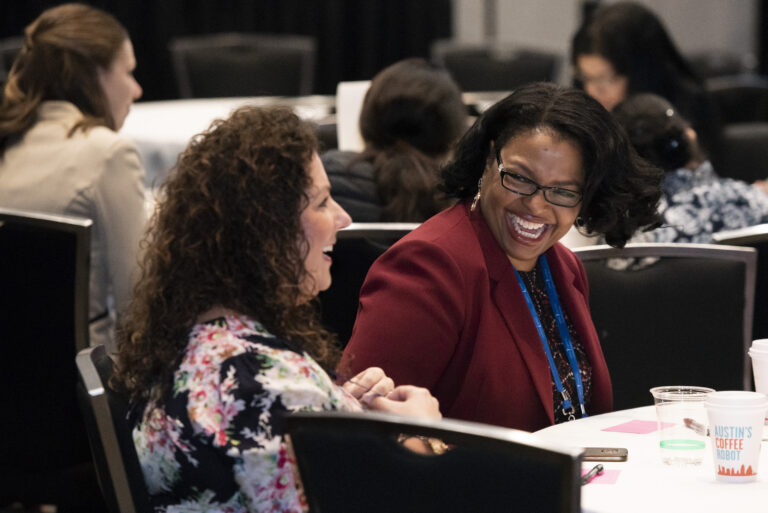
{"x":736,"y":426}
{"x":679,"y":444}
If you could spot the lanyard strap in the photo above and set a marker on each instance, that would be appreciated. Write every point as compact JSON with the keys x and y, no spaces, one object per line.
{"x":565,"y":337}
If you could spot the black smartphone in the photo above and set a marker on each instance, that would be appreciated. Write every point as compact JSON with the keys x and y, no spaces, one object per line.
{"x":605,"y":454}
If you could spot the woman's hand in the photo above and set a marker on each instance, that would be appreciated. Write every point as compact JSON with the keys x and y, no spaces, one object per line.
{"x":370,"y":383}
{"x":407,"y":400}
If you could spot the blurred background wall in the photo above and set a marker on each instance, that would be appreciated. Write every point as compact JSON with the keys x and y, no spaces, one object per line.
{"x":735,"y":27}
{"x":356,"y":38}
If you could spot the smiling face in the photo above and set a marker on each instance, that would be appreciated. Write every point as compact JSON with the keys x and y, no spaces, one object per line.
{"x":119,"y":85}
{"x":320,"y":220}
{"x":601,"y":81}
{"x":527,"y":226}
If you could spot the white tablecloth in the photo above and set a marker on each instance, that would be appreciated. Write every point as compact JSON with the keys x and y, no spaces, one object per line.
{"x":161,"y":130}
{"x":645,"y":485}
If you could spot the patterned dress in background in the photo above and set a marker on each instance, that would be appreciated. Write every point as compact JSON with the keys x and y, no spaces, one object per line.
{"x":697,"y":203}
{"x":215,"y":441}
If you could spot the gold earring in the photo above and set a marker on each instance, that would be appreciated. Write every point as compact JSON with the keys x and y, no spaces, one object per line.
{"x":477,"y":196}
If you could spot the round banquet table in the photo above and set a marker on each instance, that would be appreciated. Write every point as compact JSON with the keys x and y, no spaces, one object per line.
{"x":643,"y":483}
{"x":162,"y":129}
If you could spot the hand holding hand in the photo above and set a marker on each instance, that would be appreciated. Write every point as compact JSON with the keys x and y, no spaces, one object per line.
{"x":407,"y":400}
{"x":370,"y":383}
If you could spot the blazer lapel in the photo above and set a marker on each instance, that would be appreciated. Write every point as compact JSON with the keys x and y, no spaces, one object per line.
{"x":513,"y":309}
{"x":581,"y":317}
{"x":564,"y":281}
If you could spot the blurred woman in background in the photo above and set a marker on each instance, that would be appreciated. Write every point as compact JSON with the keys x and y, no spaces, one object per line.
{"x":623,"y":49}
{"x":68,"y":93}
{"x":411,"y":116}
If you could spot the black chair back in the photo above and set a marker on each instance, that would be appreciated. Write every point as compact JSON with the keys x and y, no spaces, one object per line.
{"x":44,"y":277}
{"x":328,"y":135}
{"x":718,"y":63}
{"x":738,"y":98}
{"x":494,"y":67}
{"x":357,"y":247}
{"x":753,"y":237}
{"x":742,"y":151}
{"x":237,"y":64}
{"x":353,"y":462}
{"x":105,"y":411}
{"x":685,"y":319}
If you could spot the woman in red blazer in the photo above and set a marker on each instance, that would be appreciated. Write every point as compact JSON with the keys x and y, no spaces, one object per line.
{"x":481,"y":304}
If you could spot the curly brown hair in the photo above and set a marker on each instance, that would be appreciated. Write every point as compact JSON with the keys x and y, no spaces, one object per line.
{"x":226,"y":233}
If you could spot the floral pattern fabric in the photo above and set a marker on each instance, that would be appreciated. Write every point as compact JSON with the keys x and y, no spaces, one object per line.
{"x":214,"y":441}
{"x":697,"y":203}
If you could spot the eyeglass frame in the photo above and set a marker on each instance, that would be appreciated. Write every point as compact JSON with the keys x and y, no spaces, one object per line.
{"x":599,"y":80}
{"x":542,"y":188}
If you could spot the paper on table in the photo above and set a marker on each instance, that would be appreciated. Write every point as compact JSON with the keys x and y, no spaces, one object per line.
{"x":638,"y":427}
{"x":608,"y":476}
{"x":349,"y":103}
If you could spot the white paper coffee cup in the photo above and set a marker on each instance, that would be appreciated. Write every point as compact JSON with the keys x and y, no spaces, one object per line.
{"x":736,"y":427}
{"x":759,"y":354}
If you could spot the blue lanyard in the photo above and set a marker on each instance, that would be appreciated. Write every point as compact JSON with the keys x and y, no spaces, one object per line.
{"x":565,"y":336}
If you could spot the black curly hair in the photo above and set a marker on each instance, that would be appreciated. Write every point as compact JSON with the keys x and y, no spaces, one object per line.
{"x":621,"y":190}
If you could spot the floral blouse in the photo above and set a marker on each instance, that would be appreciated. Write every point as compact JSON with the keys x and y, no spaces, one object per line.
{"x":697,"y":203}
{"x":215,"y":440}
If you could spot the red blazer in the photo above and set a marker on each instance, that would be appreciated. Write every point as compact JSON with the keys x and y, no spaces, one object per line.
{"x":442,"y":309}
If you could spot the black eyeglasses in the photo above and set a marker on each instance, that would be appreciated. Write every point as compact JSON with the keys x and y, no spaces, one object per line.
{"x":526,"y":187}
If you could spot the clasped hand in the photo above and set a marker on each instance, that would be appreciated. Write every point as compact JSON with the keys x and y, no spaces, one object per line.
{"x":378,"y":392}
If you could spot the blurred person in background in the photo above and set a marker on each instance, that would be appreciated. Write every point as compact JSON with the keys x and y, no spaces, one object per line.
{"x":68,"y":93}
{"x":696,"y":202}
{"x":411,"y":116}
{"x":623,"y":48}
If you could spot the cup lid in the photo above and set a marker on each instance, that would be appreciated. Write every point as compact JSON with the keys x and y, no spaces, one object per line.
{"x":736,"y":399}
{"x":759,"y":346}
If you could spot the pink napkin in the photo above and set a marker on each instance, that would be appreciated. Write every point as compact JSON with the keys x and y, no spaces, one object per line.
{"x":607,"y":477}
{"x":638,"y":427}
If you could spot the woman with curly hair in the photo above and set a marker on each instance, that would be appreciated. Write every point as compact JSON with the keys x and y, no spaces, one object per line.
{"x":222,"y":338}
{"x":481,"y":304}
